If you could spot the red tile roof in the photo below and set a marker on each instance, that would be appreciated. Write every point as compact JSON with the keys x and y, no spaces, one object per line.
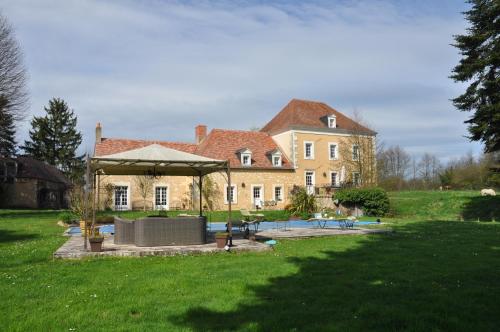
{"x":225,"y":144}
{"x":219,"y":144}
{"x":312,"y":114}
{"x":116,"y":145}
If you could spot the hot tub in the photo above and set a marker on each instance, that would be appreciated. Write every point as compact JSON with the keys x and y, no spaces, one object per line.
{"x":161,"y":231}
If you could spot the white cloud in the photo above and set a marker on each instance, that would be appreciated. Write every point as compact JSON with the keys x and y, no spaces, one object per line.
{"x":155,"y":69}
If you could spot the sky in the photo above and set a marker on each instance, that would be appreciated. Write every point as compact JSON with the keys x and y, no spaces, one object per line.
{"x":155,"y":69}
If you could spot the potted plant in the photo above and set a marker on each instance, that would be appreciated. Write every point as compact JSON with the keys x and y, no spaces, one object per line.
{"x":221,"y":239}
{"x":96,"y":240}
{"x":78,"y":205}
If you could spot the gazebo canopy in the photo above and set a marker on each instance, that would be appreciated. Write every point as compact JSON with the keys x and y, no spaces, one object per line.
{"x":156,"y":160}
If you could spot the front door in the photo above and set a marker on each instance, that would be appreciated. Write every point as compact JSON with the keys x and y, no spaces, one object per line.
{"x":257,"y":196}
{"x":161,"y":198}
{"x":310,"y":182}
{"x":121,"y":198}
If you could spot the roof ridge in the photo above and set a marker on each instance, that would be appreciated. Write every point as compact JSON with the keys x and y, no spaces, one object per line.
{"x":145,"y":140}
{"x":239,"y":130}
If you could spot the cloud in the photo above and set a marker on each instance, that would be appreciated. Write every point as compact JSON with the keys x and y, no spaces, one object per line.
{"x":155,"y":69}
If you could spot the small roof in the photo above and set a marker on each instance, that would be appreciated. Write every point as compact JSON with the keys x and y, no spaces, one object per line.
{"x":312,"y":115}
{"x":156,"y":160}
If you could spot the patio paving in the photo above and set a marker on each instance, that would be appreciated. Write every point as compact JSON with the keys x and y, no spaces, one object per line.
{"x":315,"y":232}
{"x":73,"y":248}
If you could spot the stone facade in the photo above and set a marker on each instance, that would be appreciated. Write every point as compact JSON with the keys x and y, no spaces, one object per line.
{"x":339,"y":152}
{"x":181,"y":196}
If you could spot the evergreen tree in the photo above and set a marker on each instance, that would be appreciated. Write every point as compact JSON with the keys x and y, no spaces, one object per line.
{"x":55,"y":139}
{"x":480,"y":49}
{"x":7,"y":130}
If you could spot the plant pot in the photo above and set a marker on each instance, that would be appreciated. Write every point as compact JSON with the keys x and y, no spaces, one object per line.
{"x":221,"y":241}
{"x":96,"y":244}
{"x":82,"y":227}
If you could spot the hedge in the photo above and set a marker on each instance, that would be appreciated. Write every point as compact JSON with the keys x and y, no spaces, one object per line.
{"x":374,"y":201}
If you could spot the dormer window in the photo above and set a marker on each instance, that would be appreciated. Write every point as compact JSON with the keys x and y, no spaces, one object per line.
{"x":332,"y":121}
{"x":245,"y":157}
{"x":276,"y":158}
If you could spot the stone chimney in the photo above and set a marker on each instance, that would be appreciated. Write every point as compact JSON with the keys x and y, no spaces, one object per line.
{"x":200,"y":132}
{"x":98,"y":133}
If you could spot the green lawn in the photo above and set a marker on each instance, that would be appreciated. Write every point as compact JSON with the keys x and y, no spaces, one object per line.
{"x":432,"y":273}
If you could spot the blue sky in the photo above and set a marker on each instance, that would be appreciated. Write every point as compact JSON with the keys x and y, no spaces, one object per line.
{"x":155,"y":69}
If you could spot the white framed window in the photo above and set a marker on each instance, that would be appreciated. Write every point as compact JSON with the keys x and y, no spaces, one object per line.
{"x":334,"y":179}
{"x":230,"y":192}
{"x":355,"y":152}
{"x":121,"y":197}
{"x":309,"y":181}
{"x":276,"y":160}
{"x":246,"y":159}
{"x":257,"y":194}
{"x":356,"y":179}
{"x":161,"y":197}
{"x":308,"y":150}
{"x":333,"y":151}
{"x":332,"y":121}
{"x":278,"y":193}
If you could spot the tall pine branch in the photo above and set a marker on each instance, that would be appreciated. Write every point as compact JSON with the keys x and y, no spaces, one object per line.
{"x":479,"y":66}
{"x":55,"y":139}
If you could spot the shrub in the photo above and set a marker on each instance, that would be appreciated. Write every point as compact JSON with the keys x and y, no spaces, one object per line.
{"x":302,"y":202}
{"x":67,"y":217}
{"x":374,"y":201}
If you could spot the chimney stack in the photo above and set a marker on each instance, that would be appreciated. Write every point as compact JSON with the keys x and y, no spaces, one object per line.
{"x":200,"y":132}
{"x":98,"y":133}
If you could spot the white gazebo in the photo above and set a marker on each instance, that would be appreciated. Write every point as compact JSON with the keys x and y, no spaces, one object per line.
{"x":157,"y":160}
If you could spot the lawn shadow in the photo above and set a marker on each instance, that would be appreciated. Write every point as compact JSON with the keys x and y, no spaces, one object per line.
{"x":12,"y":236}
{"x":19,"y":214}
{"x":482,"y":208}
{"x":425,"y":276}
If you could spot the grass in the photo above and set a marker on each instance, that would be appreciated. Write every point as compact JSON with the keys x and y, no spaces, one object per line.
{"x":432,"y":273}
{"x":212,"y":216}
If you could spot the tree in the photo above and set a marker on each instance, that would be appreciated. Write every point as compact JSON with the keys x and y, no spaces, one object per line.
{"x":145,"y":186}
{"x":13,"y":77}
{"x":429,"y":167}
{"x":7,"y":131}
{"x":55,"y":139}
{"x":480,"y":49}
{"x":359,"y":151}
{"x":393,"y":165}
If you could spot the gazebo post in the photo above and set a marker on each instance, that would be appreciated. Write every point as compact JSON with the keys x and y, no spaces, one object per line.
{"x":201,"y":195}
{"x":98,"y":192}
{"x":86,"y":194}
{"x":229,"y":221}
{"x":93,"y":201}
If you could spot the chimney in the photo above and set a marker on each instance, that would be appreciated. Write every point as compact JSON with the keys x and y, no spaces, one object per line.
{"x":98,"y":133}
{"x":200,"y":132}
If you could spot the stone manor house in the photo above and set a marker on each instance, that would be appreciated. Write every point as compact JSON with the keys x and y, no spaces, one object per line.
{"x":306,"y":144}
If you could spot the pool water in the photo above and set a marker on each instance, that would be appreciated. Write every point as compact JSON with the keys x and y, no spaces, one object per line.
{"x":265,"y":225}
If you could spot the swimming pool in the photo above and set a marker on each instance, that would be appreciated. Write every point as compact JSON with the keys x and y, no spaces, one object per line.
{"x":265,"y":225}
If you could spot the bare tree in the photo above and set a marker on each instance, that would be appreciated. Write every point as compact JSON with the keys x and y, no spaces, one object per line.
{"x":360,"y":152}
{"x":393,"y":165}
{"x":429,"y":166}
{"x":144,"y":185}
{"x":13,"y":76}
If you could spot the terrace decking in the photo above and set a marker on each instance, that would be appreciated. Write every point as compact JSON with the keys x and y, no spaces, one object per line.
{"x":73,"y":248}
{"x":316,"y":232}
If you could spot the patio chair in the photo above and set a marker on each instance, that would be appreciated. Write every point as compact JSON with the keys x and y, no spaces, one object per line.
{"x":252,"y":218}
{"x":240,"y":224}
